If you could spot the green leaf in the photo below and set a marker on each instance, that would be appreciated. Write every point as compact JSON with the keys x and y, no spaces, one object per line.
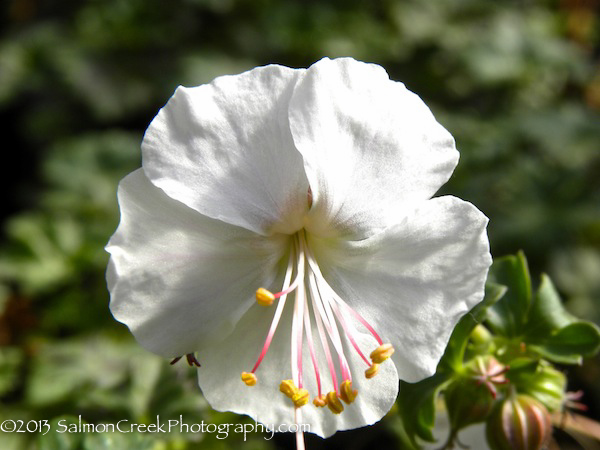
{"x":405,"y":442}
{"x":508,"y":316}
{"x":455,"y":350}
{"x":570,"y":343}
{"x":416,"y":403}
{"x":547,"y":312}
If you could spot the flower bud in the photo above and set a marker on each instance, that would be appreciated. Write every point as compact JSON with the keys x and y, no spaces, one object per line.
{"x":467,"y":402}
{"x":546,"y":385}
{"x":471,"y":397}
{"x":518,"y":422}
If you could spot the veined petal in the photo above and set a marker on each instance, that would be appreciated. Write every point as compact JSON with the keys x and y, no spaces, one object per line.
{"x":178,"y":278}
{"x":414,"y":280}
{"x":263,"y":401}
{"x":369,"y":146}
{"x":225,"y":150}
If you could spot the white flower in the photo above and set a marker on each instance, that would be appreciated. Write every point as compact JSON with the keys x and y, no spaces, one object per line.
{"x":316,"y":184}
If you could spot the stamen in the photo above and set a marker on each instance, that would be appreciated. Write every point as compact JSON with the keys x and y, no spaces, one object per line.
{"x":311,"y":346}
{"x":317,"y":271}
{"x":327,"y":316}
{"x":372,"y":371}
{"x":358,"y":317}
{"x":297,"y":322}
{"x":334,"y":333}
{"x":278,"y":312}
{"x":264,"y":297}
{"x":299,"y":276}
{"x":348,"y":332}
{"x":300,"y":398}
{"x":288,"y":388}
{"x":320,"y":401}
{"x":330,"y":326}
{"x":249,"y":378}
{"x":347,"y":393}
{"x":322,"y":336}
{"x":381,"y":353}
{"x":328,"y":309}
{"x":333,"y":403}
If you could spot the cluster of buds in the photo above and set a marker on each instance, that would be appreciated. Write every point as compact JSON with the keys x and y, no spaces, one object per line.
{"x":513,"y":421}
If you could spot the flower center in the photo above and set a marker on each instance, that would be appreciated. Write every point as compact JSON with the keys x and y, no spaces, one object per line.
{"x":312,"y":294}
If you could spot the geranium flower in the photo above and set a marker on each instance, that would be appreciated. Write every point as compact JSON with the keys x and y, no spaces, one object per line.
{"x":282,"y":230}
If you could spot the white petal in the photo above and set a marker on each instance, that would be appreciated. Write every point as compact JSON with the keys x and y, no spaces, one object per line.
{"x":178,"y":278}
{"x":225,"y":150}
{"x":219,"y":378}
{"x":369,"y":145}
{"x":415,"y":280}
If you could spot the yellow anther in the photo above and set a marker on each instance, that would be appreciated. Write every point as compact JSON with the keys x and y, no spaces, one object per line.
{"x":264,"y":297}
{"x":381,"y":353}
{"x":320,"y":401}
{"x":372,"y":371}
{"x":347,"y":393}
{"x":288,"y":388}
{"x":333,"y":403}
{"x":300,"y":398}
{"x":249,"y":378}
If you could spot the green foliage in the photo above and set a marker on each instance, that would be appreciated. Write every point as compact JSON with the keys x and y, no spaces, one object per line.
{"x":540,"y":322}
{"x":509,"y":315}
{"x":528,"y":333}
{"x":455,"y":350}
{"x":417,"y":406}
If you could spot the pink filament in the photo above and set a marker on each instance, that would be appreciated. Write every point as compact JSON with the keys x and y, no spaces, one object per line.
{"x":298,"y":319}
{"x":277,"y":316}
{"x":348,"y":332}
{"x":311,"y":346}
{"x":329,"y":325}
{"x":358,"y":317}
{"x":324,"y":343}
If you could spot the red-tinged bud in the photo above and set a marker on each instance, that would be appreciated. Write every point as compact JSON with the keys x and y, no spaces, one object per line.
{"x":486,"y":370}
{"x":470,"y":398}
{"x":467,"y":402}
{"x":518,"y":422}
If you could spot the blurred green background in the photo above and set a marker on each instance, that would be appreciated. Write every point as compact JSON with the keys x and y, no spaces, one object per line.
{"x":516,"y":82}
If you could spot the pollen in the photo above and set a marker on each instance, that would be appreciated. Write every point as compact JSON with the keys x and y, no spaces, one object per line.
{"x":381,"y":353}
{"x":320,"y":401}
{"x":264,"y":297}
{"x":300,"y":398}
{"x":347,"y":393}
{"x":333,"y":403}
{"x":288,"y":388}
{"x":372,"y":371}
{"x":249,"y":378}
